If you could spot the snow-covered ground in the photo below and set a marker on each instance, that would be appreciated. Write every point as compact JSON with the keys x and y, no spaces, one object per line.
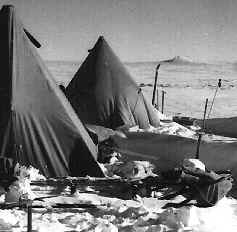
{"x":110,"y":212}
{"x":114,"y":214}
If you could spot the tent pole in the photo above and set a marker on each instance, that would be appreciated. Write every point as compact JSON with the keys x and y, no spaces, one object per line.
{"x":163,"y":101}
{"x":202,"y":132}
{"x":29,"y":217}
{"x":155,"y":85}
{"x":157,"y":99}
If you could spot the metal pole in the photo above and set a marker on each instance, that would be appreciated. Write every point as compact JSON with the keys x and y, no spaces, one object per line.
{"x":202,"y":132}
{"x":155,"y":85}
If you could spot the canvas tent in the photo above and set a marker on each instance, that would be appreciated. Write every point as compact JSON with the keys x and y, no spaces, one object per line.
{"x":169,"y":151}
{"x":220,"y":126}
{"x":37,"y":124}
{"x":103,"y":92}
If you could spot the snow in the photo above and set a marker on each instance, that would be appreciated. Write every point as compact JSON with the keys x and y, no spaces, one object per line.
{"x":112,"y":213}
{"x":124,"y":215}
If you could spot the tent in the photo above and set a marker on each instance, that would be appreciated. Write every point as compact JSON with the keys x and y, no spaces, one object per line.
{"x":220,"y":126}
{"x":103,"y":92}
{"x":38,"y":126}
{"x":169,"y":151}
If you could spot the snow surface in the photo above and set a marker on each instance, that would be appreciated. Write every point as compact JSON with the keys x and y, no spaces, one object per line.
{"x":113,"y":213}
{"x":144,"y":214}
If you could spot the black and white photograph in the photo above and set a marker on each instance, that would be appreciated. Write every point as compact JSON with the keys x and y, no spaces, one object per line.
{"x":118,"y":115}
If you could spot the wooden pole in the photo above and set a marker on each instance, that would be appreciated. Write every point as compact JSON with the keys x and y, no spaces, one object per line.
{"x":202,"y":132}
{"x":204,"y":114}
{"x":157,"y":99}
{"x":155,"y":85}
{"x":29,"y":217}
{"x":163,"y":101}
{"x":57,"y":206}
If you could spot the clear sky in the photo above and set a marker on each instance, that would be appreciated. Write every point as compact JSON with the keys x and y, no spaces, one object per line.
{"x":137,"y":30}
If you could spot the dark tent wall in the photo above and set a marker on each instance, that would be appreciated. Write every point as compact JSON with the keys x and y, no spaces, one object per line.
{"x":38,"y":125}
{"x":103,"y":92}
{"x":220,"y":126}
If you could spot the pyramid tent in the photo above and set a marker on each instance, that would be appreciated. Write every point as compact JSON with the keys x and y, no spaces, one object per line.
{"x":38,"y":126}
{"x":103,"y":92}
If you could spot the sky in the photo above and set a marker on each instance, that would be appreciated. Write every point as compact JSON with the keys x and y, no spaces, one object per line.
{"x":137,"y":30}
